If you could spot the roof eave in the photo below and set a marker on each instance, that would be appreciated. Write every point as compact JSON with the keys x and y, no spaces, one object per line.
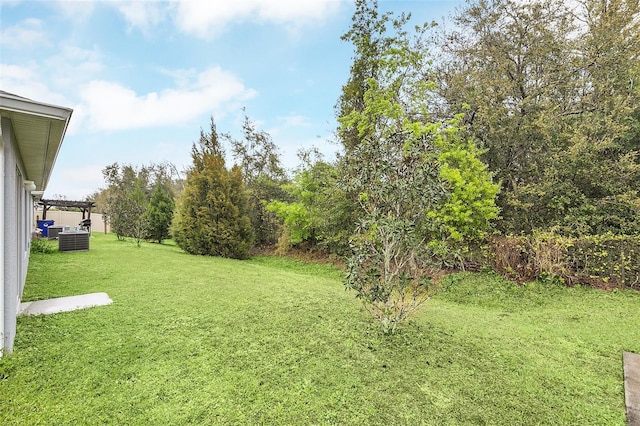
{"x":43,"y":151}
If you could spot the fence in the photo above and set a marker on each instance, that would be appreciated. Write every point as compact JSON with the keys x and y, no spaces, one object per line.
{"x":71,"y":218}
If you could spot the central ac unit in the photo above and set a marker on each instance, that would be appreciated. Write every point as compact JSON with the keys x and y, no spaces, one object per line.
{"x":73,"y":241}
{"x":54,"y":230}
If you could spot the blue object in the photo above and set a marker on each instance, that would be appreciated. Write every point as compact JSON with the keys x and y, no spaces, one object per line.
{"x":44,"y":226}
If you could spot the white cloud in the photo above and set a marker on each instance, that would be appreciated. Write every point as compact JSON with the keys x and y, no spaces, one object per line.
{"x":78,"y":182}
{"x":24,"y":80}
{"x":11,"y":73}
{"x":24,"y":34}
{"x":208,"y":19}
{"x":77,"y":11}
{"x":142,"y":14}
{"x":73,"y":65}
{"x":111,"y":106}
{"x":48,"y":79}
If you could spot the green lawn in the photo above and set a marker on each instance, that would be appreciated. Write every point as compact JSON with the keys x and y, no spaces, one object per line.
{"x":198,"y":340}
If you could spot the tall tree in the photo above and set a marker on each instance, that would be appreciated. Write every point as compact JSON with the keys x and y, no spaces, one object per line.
{"x":259,"y":161}
{"x":126,"y":199}
{"x":404,"y":167}
{"x":210,"y":218}
{"x":506,"y":62}
{"x":131,"y":199}
{"x":368,"y":35}
{"x":390,"y":166}
{"x":551,"y":93}
{"x":159,"y":213}
{"x":602,"y":162}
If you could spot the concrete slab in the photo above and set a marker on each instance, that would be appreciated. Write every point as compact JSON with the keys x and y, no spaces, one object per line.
{"x":64,"y":304}
{"x":631,"y":363}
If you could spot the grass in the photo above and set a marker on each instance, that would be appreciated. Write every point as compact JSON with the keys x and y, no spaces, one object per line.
{"x":199,"y":340}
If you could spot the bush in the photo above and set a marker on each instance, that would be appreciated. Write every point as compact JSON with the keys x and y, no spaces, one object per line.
{"x":511,"y":257}
{"x":41,"y":245}
{"x":612,"y":259}
{"x":601,"y":260}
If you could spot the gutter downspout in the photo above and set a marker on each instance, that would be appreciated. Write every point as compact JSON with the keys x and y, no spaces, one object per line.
{"x":2,"y":222}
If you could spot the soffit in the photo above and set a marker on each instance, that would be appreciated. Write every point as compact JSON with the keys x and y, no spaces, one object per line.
{"x":39,"y":130}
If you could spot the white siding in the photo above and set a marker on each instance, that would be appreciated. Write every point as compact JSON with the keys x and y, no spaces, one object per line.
{"x":16,"y":233}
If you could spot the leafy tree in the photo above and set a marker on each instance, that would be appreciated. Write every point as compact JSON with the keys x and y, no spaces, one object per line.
{"x":132,"y":200}
{"x":407,"y":170}
{"x":259,"y":161}
{"x":465,"y":217}
{"x":256,"y":154}
{"x":139,"y":221}
{"x":393,"y":170}
{"x":601,"y":168}
{"x":320,"y":213}
{"x":368,"y":36}
{"x":397,"y":179}
{"x":126,"y":199}
{"x":211,"y":214}
{"x":551,"y":89}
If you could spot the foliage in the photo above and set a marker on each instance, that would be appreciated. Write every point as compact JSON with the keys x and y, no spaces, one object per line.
{"x":211,"y":216}
{"x":552,"y":89}
{"x":265,"y":222}
{"x":321,"y":213}
{"x":136,"y":200}
{"x":602,"y":261}
{"x":259,"y":160}
{"x":394,"y":170}
{"x":159,"y":214}
{"x":126,"y":202}
{"x":466,"y":216}
{"x":296,"y":219}
{"x":397,"y":185}
{"x":421,"y":187}
{"x":42,"y":245}
{"x":367,"y":34}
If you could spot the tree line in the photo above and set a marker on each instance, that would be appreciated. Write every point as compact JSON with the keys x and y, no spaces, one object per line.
{"x":522,"y":118}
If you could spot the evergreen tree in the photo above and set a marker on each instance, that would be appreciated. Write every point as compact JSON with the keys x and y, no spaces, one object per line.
{"x":240,"y":199}
{"x":211,"y":217}
{"x":159,"y":214}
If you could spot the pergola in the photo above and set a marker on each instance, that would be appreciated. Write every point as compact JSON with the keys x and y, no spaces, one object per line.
{"x":84,"y":206}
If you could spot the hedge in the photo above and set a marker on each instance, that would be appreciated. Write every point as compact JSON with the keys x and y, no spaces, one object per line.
{"x":601,"y":260}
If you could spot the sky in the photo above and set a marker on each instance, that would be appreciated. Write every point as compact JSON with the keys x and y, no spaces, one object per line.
{"x":144,"y":77}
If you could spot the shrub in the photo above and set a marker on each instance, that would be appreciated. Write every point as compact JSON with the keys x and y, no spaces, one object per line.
{"x":41,"y":245}
{"x":511,"y":257}
{"x":601,"y":260}
{"x":610,"y":259}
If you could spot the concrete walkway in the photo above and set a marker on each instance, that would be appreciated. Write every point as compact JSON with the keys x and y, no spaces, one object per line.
{"x":631,"y":363}
{"x":64,"y":304}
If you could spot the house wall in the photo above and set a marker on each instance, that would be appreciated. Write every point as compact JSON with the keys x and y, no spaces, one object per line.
{"x":17,"y":211}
